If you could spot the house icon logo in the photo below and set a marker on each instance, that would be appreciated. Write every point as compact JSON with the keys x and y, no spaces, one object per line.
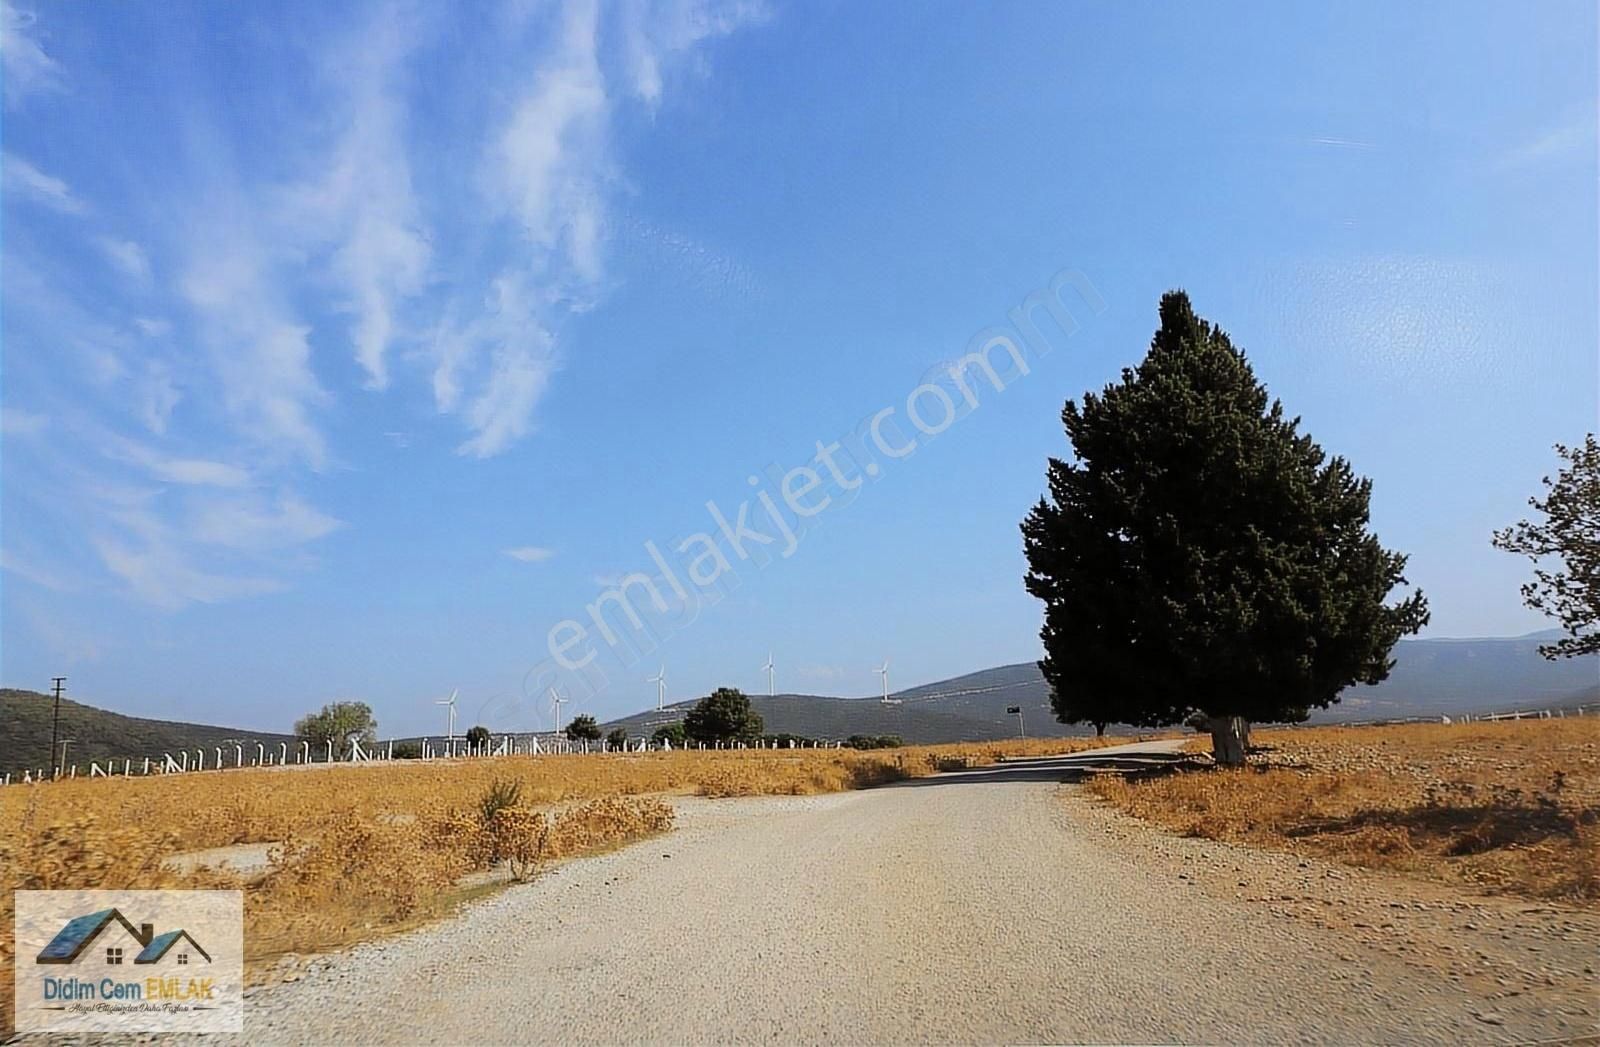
{"x":98,"y":961}
{"x":108,"y":939}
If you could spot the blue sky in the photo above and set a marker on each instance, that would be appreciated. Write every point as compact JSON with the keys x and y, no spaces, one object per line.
{"x":350,"y":350}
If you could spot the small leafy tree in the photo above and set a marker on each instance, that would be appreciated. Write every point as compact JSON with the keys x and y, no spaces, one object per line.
{"x":617,"y":739}
{"x":782,"y":739}
{"x":583,"y":728}
{"x":1569,"y":533}
{"x":874,"y":741}
{"x":337,"y":722}
{"x":672,"y":732}
{"x":1201,"y":554}
{"x":478,"y":736}
{"x":724,"y":715}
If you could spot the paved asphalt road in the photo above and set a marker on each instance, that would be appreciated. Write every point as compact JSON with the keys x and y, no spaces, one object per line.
{"x":971,"y":907}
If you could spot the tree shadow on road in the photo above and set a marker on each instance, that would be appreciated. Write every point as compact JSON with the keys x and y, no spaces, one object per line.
{"x":1073,"y":767}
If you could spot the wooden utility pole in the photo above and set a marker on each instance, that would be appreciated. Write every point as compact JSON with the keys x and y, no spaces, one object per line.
{"x":55,"y":728}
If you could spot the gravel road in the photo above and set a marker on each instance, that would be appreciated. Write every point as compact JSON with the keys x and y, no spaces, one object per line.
{"x":985,"y":906}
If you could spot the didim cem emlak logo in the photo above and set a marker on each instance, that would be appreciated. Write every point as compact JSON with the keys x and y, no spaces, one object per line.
{"x":99,"y":943}
{"x":129,"y":961}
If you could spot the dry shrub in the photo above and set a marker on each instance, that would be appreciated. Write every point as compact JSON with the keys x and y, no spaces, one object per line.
{"x":353,"y":877}
{"x":41,"y":853}
{"x":1510,"y":806}
{"x":521,"y":838}
{"x":525,"y":839}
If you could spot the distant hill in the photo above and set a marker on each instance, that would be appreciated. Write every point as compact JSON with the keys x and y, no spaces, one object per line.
{"x":1445,"y":677}
{"x":100,"y":735}
{"x":1430,"y":678}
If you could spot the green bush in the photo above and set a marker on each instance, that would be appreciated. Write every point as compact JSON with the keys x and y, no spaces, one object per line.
{"x":724,"y":715}
{"x":672,"y":732}
{"x":583,"y":728}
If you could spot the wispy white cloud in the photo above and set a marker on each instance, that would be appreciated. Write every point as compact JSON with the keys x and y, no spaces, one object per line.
{"x":258,"y":347}
{"x":156,"y":570}
{"x":508,"y":354}
{"x":127,"y":256}
{"x":548,"y":163}
{"x":24,"y":64}
{"x":1342,"y":143}
{"x":253,"y":522}
{"x":551,"y":170}
{"x":14,"y":421}
{"x":365,"y":200}
{"x":1569,"y":139}
{"x":657,"y":33}
{"x":25,"y":181}
{"x":169,"y":469}
{"x":156,"y":395}
{"x":23,"y":567}
{"x":222,"y":367}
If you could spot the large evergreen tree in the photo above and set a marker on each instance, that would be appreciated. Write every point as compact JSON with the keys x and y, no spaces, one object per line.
{"x":1199,"y":554}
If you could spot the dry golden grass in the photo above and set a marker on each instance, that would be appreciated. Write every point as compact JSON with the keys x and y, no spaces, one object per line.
{"x":1510,"y":807}
{"x":367,"y":849}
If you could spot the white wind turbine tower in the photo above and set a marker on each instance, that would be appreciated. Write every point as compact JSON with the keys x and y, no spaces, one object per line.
{"x":660,"y":680}
{"x":556,"y":702}
{"x":771,"y":675}
{"x":450,"y":734}
{"x":883,"y":671}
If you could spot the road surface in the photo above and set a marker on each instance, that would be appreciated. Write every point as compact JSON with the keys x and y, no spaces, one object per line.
{"x":986,"y":906}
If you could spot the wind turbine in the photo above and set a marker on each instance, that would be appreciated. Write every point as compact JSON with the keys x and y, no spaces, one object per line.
{"x":450,"y":735}
{"x":660,"y":680}
{"x":557,"y":702}
{"x":883,"y":671}
{"x":771,"y":675}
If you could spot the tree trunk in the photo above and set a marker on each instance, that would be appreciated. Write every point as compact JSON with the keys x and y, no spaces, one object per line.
{"x":1099,"y":730}
{"x":1230,"y":738}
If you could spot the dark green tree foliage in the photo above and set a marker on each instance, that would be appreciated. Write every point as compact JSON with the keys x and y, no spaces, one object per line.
{"x":672,"y":732}
{"x":724,"y":715}
{"x":583,"y":729}
{"x":617,"y":738}
{"x":782,"y":739}
{"x":478,"y":736}
{"x":1199,"y":553}
{"x":874,"y":741}
{"x":337,"y":722}
{"x":1570,"y":534}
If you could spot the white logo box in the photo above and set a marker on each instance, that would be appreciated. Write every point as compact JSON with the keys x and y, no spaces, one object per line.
{"x":129,"y":961}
